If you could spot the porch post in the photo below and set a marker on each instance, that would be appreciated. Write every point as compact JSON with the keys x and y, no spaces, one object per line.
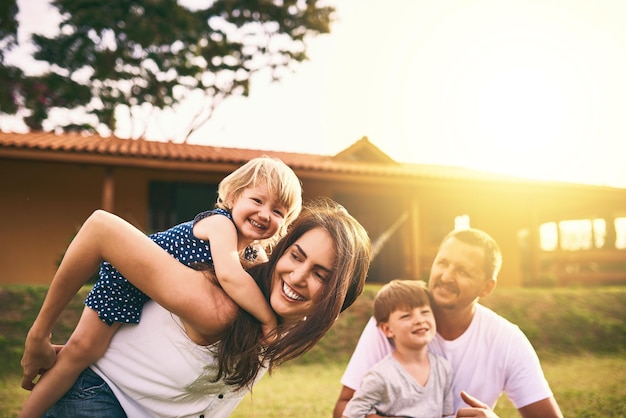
{"x":414,"y":258}
{"x":108,"y":190}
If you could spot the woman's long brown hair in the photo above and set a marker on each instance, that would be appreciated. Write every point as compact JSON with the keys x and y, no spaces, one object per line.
{"x":240,"y":352}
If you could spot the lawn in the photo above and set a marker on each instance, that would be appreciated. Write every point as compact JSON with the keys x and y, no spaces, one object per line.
{"x":585,"y":386}
{"x":580,"y":335}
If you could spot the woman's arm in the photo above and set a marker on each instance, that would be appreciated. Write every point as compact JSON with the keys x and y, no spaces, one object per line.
{"x":181,"y":290}
{"x":202,"y":306}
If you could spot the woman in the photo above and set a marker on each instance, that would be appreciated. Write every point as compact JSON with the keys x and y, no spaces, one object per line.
{"x":202,"y":356}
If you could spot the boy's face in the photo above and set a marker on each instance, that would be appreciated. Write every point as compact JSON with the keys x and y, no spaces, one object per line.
{"x":411,"y":329}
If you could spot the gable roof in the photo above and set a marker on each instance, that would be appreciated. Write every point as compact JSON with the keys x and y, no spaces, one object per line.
{"x":364,"y":151}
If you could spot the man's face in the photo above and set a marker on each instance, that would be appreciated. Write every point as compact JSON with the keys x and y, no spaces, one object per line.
{"x":457,"y":277}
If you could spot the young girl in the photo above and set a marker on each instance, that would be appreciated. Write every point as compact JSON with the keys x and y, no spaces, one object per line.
{"x":256,"y":203}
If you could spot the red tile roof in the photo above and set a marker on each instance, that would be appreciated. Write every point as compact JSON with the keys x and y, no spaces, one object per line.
{"x":361,"y":158}
{"x":112,"y":146}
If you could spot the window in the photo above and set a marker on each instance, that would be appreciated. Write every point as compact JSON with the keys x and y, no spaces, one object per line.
{"x":620,"y":233}
{"x":581,"y":234}
{"x":549,"y":236}
{"x":576,"y":234}
{"x":171,"y":203}
{"x":462,"y":222}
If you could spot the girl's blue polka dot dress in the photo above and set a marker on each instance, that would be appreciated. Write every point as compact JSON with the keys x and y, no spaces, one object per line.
{"x":115,"y":299}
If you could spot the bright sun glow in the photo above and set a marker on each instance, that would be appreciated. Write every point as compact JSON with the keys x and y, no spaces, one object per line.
{"x":519,"y":105}
{"x":506,"y":97}
{"x":523,"y":87}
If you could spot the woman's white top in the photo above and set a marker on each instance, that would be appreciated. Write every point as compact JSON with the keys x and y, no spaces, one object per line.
{"x":155,"y":370}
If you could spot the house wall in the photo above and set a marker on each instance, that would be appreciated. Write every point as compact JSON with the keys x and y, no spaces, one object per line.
{"x":42,"y":205}
{"x":498,"y":210}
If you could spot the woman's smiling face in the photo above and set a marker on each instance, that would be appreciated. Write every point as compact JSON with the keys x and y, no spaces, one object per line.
{"x":301,"y":273}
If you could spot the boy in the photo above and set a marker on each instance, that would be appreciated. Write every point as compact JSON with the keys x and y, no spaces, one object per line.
{"x":409,"y":382}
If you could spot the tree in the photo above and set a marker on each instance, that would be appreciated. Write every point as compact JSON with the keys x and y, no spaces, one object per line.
{"x":10,"y":76}
{"x":137,"y":54}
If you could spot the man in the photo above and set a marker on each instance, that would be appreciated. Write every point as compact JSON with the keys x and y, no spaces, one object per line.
{"x":489,"y":355}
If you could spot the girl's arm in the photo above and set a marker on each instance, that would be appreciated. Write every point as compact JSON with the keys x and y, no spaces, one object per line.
{"x":236,"y":282}
{"x":183,"y":291}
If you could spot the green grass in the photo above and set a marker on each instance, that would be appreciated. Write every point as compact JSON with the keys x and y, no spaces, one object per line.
{"x":579,"y":333}
{"x":584,"y":386}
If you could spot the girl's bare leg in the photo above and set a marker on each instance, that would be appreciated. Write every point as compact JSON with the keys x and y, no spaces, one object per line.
{"x":81,"y":260}
{"x":87,"y":344}
{"x":139,"y":259}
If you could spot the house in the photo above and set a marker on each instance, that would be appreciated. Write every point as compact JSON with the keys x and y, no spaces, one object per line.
{"x":49,"y":184}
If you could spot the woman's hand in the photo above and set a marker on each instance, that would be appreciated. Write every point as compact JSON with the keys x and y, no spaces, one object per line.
{"x":39,"y":356}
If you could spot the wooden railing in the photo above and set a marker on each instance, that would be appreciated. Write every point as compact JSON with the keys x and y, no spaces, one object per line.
{"x":586,"y":267}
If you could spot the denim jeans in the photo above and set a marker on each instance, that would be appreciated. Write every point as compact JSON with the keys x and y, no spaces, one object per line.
{"x":89,"y":397}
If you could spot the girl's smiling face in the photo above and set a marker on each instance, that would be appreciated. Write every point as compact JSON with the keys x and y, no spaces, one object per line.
{"x":301,"y":273}
{"x":257,"y":214}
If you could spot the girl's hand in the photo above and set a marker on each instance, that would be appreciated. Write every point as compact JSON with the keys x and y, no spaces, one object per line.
{"x":269,"y":331}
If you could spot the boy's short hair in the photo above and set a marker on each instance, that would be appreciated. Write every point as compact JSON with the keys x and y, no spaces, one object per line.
{"x":399,"y":294}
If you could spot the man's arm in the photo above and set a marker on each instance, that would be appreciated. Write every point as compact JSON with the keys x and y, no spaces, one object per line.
{"x":344,"y":397}
{"x":545,"y":408}
{"x":372,"y":347}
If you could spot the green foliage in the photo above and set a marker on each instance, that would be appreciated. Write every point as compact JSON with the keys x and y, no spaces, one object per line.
{"x":152,"y":53}
{"x":558,"y":321}
{"x":567,"y":320}
{"x":9,"y":76}
{"x":8,"y":23}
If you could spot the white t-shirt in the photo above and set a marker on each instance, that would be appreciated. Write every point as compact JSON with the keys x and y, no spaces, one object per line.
{"x":491,"y":357}
{"x":155,"y":370}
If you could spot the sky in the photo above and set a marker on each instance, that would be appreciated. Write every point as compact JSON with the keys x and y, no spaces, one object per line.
{"x":527,"y":88}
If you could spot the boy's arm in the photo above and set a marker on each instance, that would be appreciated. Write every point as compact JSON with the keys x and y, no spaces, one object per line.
{"x":236,"y":282}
